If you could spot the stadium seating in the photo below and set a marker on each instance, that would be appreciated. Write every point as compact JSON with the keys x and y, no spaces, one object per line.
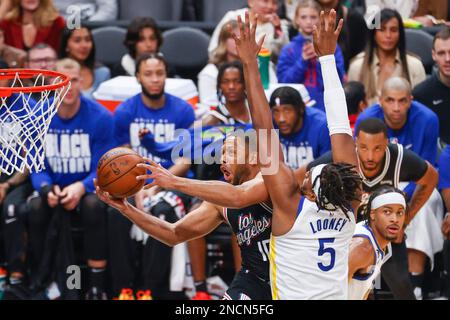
{"x":109,"y":44}
{"x":186,"y":50}
{"x":157,"y":9}
{"x":420,"y":43}
{"x":214,"y":10}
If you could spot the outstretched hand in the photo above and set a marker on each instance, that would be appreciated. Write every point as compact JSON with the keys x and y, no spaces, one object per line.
{"x":116,"y":203}
{"x":326,"y":34}
{"x":160,"y":175}
{"x":246,"y":45}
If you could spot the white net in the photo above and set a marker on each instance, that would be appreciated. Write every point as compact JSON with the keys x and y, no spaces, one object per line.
{"x":25,"y":117}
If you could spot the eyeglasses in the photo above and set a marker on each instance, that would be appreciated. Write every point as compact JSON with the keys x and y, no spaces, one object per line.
{"x":43,"y":60}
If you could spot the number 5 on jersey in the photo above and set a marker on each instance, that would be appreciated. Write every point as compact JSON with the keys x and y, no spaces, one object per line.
{"x":323,"y":250}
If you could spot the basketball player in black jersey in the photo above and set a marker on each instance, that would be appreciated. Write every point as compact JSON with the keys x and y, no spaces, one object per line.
{"x":388,"y":164}
{"x":251,"y":225}
{"x":232,"y":110}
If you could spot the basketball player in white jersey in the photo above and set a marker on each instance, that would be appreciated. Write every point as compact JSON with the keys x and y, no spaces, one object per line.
{"x":311,"y":234}
{"x":371,"y":244}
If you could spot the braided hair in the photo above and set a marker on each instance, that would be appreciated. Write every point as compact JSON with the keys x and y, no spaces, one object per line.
{"x":340,"y":184}
{"x":365,"y":208}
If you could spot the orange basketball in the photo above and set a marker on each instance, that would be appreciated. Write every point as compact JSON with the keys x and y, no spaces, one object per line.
{"x":117,"y":172}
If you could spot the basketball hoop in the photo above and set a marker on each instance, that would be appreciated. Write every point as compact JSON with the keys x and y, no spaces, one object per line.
{"x":27,"y":107}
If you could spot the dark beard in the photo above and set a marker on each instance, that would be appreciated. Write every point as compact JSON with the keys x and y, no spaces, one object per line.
{"x":155,"y":96}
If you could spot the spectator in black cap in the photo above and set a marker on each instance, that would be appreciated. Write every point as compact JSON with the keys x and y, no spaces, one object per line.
{"x":303,"y":130}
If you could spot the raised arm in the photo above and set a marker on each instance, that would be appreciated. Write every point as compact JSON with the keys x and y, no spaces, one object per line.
{"x":278,"y":177}
{"x":197,"y":223}
{"x":217,"y":192}
{"x":325,"y":40}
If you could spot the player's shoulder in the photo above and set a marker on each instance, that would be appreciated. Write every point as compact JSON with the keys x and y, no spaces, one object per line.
{"x":361,"y":236}
{"x":361,"y":248}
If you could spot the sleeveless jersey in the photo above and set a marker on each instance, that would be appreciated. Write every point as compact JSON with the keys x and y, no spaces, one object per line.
{"x":252,"y":226}
{"x":221,"y":113}
{"x":311,"y":260}
{"x":361,"y":284}
{"x":390,"y":175}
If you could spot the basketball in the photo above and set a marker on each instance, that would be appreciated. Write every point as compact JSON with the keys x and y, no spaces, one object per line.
{"x":117,"y":172}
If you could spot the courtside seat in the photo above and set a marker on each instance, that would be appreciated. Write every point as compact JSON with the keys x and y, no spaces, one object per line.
{"x":157,"y":9}
{"x":420,"y":43}
{"x":214,"y":10}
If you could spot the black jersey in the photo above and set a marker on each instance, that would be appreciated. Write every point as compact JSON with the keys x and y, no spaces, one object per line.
{"x":223,"y":115}
{"x":400,"y":165}
{"x":252,"y":226}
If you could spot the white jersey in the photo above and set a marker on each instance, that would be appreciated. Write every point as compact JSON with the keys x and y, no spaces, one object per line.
{"x":311,"y":260}
{"x":361,"y":284}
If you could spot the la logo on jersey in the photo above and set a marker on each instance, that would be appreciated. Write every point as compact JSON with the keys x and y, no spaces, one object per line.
{"x":162,"y":130}
{"x":249,"y":228}
{"x":297,"y":156}
{"x":68,"y":152}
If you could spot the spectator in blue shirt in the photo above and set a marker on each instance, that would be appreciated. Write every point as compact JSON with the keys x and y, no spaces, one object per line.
{"x":409,"y":122}
{"x":298,"y":61}
{"x":79,"y":134}
{"x":159,"y":113}
{"x":304,"y":134}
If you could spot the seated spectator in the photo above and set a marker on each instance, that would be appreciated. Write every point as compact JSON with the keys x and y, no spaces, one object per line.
{"x":14,"y":190}
{"x":409,"y":122}
{"x":143,"y":37}
{"x":31,"y":22}
{"x":435,"y":91}
{"x":14,"y":57}
{"x":269,"y":24}
{"x":161,"y":114}
{"x":225,"y":52}
{"x":385,"y":56}
{"x":79,"y":45}
{"x":444,"y":187}
{"x":232,"y":105}
{"x":406,"y":9}
{"x":89,"y":10}
{"x":355,"y":95}
{"x":298,"y":61}
{"x":304,"y":133}
{"x":75,"y":142}
{"x":41,"y":56}
{"x":352,"y":38}
{"x":430,"y":12}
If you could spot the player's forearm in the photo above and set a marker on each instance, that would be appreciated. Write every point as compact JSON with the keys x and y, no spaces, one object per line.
{"x":261,"y":115}
{"x":217,"y":192}
{"x":419,"y":198}
{"x":259,"y":108}
{"x":156,"y":228}
{"x":424,"y":189}
{"x":342,"y":143}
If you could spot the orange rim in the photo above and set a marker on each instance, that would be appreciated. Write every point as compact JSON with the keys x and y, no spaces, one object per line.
{"x":10,"y":74}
